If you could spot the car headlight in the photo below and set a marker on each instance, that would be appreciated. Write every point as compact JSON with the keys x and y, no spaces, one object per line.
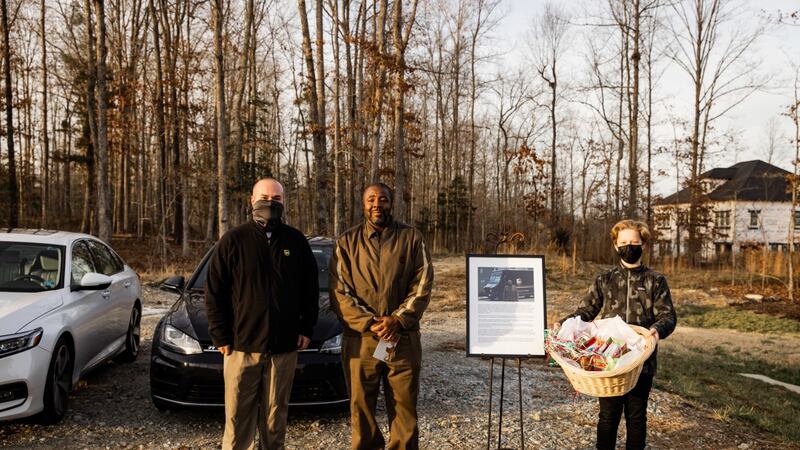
{"x":332,"y":345}
{"x":176,"y":340}
{"x":16,"y":343}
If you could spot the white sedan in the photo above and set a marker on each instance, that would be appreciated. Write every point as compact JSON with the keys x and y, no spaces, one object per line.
{"x":67,"y":303}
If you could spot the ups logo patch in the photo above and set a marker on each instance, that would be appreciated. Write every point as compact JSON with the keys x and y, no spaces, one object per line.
{"x":286,"y":252}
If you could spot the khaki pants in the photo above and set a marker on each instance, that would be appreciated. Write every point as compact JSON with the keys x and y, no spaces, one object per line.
{"x":257,"y":388}
{"x":400,"y":378}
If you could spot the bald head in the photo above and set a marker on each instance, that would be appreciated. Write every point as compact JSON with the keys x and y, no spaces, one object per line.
{"x":267,"y":189}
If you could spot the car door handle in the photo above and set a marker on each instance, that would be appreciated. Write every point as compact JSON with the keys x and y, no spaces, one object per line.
{"x":127,"y":284}
{"x":106,"y":294}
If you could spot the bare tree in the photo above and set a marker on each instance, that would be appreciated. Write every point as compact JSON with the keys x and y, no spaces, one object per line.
{"x":237,"y":109}
{"x":379,"y":81}
{"x":217,"y":13}
{"x":550,"y":32}
{"x":794,"y":115}
{"x":774,"y":136}
{"x":13,"y":192}
{"x":400,"y":39}
{"x":338,"y":160}
{"x":484,"y":9}
{"x":161,"y":138}
{"x":315,"y":95}
{"x":45,"y":133}
{"x":104,"y":228}
{"x":721,"y":76}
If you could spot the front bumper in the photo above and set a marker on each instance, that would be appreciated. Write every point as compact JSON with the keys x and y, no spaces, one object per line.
{"x":197,"y":380}
{"x":22,"y":382}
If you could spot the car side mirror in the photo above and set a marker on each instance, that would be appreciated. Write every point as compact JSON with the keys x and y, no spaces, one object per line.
{"x":173,"y":284}
{"x":93,"y":281}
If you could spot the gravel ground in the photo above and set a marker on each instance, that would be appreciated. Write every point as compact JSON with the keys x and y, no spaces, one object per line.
{"x":111,"y":407}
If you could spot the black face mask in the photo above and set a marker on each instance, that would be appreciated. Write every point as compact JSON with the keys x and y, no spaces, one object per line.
{"x":630,"y":253}
{"x":268,"y":213}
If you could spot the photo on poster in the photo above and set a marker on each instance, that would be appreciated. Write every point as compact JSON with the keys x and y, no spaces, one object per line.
{"x":505,"y":284}
{"x":506,"y":307}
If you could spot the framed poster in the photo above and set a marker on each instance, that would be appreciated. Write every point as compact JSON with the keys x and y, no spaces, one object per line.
{"x":506,"y":307}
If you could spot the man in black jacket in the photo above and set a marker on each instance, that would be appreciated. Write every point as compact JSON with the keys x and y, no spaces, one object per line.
{"x":262,"y":296}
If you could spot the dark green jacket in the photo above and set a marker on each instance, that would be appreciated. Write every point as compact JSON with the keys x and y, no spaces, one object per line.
{"x":640,"y":296}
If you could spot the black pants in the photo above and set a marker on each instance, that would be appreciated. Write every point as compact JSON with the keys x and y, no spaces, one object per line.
{"x":634,"y":404}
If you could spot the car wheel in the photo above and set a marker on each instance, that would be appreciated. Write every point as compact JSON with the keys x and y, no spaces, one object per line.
{"x":133,"y":336}
{"x":58,"y":384}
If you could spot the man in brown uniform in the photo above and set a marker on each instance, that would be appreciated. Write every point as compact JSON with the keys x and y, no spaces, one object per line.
{"x":381,"y":277}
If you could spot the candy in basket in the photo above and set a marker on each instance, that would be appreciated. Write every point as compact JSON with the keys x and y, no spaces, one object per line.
{"x":602,"y":358}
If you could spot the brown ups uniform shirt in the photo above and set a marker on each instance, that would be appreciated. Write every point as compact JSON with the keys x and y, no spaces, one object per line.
{"x":380,"y":273}
{"x":372,"y":274}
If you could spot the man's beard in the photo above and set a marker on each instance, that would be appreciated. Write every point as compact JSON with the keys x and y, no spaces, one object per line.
{"x":382,"y":220}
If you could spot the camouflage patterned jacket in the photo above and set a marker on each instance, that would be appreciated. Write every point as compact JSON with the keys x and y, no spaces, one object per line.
{"x":640,"y":296}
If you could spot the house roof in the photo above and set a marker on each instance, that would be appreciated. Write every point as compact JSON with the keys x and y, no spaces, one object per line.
{"x":749,"y":180}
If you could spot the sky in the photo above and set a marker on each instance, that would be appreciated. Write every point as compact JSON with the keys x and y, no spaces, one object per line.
{"x":775,"y":52}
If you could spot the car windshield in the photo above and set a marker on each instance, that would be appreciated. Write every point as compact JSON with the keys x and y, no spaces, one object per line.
{"x":321,"y":252}
{"x":323,"y":255}
{"x":27,"y":267}
{"x":495,"y":278}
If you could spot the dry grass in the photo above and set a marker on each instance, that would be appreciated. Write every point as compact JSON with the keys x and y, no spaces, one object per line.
{"x":449,"y":284}
{"x":154,"y":261}
{"x":710,"y":377}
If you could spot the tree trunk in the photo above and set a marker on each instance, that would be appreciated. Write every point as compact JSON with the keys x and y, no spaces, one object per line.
{"x":13,"y":192}
{"x":314,"y":88}
{"x":794,"y":113}
{"x":237,"y":133}
{"x":400,"y":43}
{"x":338,"y":160}
{"x":217,"y":7}
{"x":379,"y":79}
{"x":185,"y":249}
{"x":101,"y":150}
{"x":177,"y":175}
{"x":161,"y":201}
{"x":554,"y":198}
{"x":321,"y":148}
{"x":45,"y":137}
{"x":633,"y":120}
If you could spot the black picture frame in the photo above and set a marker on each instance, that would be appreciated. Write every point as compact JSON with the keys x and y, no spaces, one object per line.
{"x":513,"y":266}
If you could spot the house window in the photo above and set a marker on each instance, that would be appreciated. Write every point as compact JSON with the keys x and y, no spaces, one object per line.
{"x":683,"y":217}
{"x":797,"y":220}
{"x":722,"y":219}
{"x":755,"y":218}
{"x":662,"y":220}
{"x":665,"y":248}
{"x":776,"y":247}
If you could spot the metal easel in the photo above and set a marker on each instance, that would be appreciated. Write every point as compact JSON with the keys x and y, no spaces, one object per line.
{"x":502,"y":392}
{"x":505,"y":238}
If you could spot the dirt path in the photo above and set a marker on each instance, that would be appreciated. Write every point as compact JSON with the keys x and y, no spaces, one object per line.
{"x":783,"y":350}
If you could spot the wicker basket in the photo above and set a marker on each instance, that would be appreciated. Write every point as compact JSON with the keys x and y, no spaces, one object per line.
{"x":611,"y":383}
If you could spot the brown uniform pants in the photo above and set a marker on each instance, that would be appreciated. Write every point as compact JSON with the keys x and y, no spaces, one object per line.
{"x":400,"y":384}
{"x":257,"y":388}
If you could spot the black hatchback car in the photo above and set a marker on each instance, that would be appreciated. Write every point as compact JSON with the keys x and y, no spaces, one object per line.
{"x":186,"y":368}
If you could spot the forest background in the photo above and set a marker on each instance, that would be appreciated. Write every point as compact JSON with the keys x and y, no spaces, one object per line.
{"x":151,"y":120}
